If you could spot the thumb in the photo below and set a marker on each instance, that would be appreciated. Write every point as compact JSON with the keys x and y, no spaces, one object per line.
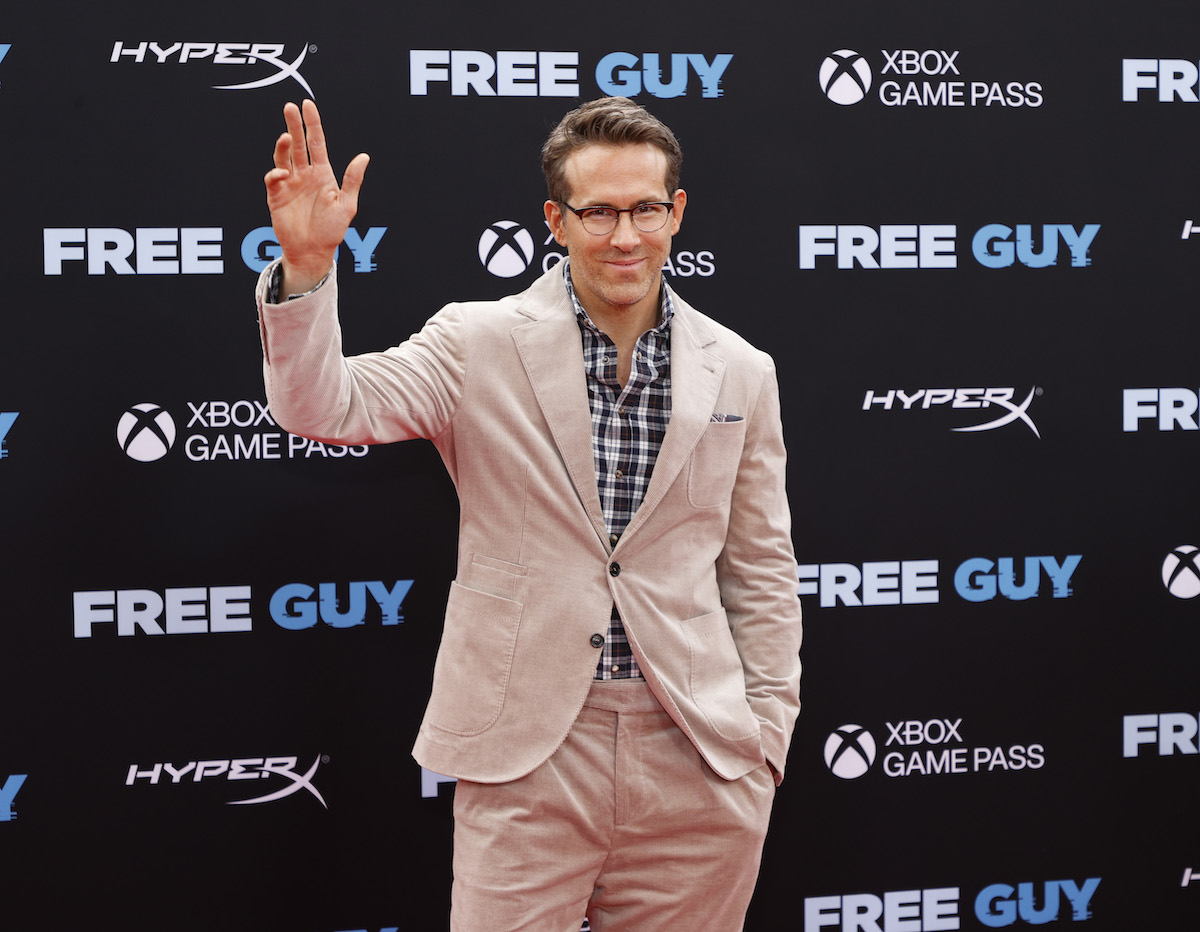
{"x":352,"y":179}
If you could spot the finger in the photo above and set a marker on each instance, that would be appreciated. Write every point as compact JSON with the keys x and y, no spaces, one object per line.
{"x":316,"y":135}
{"x":274,"y":178}
{"x":353,"y":178}
{"x":299,"y":153}
{"x":282,"y":155}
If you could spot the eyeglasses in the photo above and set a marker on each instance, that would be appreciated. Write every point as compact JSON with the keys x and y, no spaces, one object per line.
{"x":649,"y":217}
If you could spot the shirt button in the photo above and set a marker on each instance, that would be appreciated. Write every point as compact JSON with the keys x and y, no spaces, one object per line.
{"x":616,"y":668}
{"x":619,"y":474}
{"x":614,"y":569}
{"x":597,"y":640}
{"x":613,"y":538}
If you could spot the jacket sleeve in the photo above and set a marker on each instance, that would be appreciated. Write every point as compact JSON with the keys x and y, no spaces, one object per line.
{"x":411,"y":390}
{"x":756,"y":572}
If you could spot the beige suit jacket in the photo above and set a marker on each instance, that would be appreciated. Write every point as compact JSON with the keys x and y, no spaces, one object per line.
{"x":704,"y":576}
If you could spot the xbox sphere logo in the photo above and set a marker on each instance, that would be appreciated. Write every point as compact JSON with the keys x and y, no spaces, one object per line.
{"x":845,"y":77}
{"x":1180,"y":574}
{"x":146,"y":432}
{"x":506,"y":249}
{"x":850,"y":752}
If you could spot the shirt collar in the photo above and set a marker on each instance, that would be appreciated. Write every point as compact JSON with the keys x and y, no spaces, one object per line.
{"x":666,"y":307}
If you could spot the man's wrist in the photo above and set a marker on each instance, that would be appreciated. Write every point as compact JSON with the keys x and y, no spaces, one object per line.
{"x":274,"y":287}
{"x":297,"y":279}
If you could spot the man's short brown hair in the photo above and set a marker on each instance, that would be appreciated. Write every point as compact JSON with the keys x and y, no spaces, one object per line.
{"x":609,"y":121}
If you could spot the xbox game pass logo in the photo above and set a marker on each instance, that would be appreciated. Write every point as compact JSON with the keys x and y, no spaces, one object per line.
{"x":845,"y":77}
{"x":850,"y":752}
{"x":146,"y":432}
{"x":1180,"y":573}
{"x":506,"y":249}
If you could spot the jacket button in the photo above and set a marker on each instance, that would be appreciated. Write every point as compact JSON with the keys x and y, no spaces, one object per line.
{"x":614,"y":569}
{"x":597,"y":640}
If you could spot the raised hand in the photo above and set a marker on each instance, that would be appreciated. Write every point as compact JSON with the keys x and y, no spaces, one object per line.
{"x":309,"y":212}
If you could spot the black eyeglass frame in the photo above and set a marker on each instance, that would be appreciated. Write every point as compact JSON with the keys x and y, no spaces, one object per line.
{"x":580,"y":211}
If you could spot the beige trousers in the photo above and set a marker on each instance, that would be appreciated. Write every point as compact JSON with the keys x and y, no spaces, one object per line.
{"x":625,"y":824}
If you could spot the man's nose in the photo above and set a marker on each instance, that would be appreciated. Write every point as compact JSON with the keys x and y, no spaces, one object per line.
{"x":625,"y":235}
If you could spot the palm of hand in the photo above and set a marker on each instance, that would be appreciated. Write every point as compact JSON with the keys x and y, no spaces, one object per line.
{"x":309,"y":211}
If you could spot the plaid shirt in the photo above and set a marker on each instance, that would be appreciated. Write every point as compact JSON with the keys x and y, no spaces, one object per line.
{"x":628,"y":425}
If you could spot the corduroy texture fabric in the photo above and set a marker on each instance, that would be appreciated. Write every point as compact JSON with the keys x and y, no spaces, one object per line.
{"x":625,"y":824}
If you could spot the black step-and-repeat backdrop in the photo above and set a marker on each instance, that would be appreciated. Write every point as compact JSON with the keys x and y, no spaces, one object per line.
{"x":966,"y":232}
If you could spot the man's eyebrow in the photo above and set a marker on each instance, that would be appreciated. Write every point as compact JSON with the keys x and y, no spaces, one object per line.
{"x":646,"y":200}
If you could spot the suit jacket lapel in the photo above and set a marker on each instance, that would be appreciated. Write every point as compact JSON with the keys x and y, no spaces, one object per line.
{"x":551,"y":351}
{"x":696,"y":377}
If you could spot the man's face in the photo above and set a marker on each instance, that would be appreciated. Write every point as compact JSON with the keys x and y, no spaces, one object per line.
{"x":617,"y":272}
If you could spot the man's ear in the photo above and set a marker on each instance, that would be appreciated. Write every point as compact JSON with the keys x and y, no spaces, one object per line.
{"x":555,"y":221}
{"x":680,"y":200}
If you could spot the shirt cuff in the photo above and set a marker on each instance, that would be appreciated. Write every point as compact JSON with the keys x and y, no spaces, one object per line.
{"x":276,"y":278}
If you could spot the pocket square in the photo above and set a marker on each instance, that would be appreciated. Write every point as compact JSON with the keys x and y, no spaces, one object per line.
{"x":725,"y":418}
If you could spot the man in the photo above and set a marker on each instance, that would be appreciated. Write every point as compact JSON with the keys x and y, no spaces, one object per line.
{"x":618,"y":675}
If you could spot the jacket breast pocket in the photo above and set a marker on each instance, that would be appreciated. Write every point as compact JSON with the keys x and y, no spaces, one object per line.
{"x":714,"y":464}
{"x":474,"y":661}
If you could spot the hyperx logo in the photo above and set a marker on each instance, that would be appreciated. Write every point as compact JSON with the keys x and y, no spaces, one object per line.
{"x":1014,"y":413}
